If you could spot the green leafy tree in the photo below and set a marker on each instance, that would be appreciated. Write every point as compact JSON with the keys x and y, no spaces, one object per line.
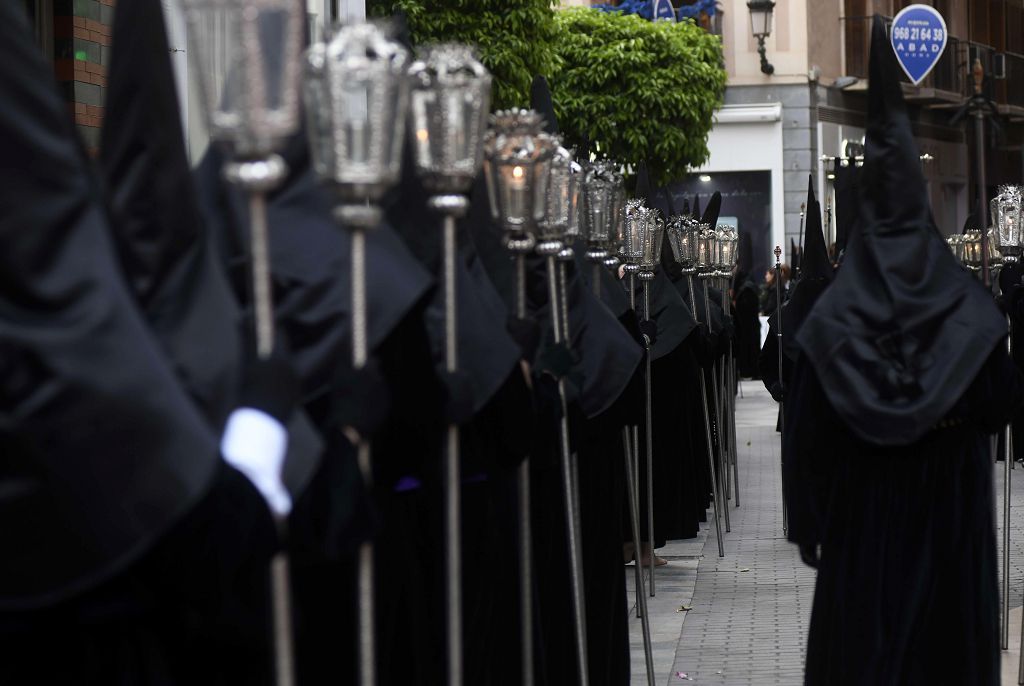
{"x":515,"y":38}
{"x":636,"y":89}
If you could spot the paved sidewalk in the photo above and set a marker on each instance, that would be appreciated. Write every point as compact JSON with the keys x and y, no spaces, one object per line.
{"x":749,"y":611}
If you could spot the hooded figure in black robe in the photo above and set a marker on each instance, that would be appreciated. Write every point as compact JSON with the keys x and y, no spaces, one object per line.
{"x":815,"y":277}
{"x":184,"y":294}
{"x":747,"y":306}
{"x":676,"y":514}
{"x":847,"y":207}
{"x":902,"y":375}
{"x":122,"y":524}
{"x":598,"y":371}
{"x":396,"y":400}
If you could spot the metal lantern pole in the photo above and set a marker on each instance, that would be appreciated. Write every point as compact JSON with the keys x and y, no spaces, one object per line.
{"x":708,"y":240}
{"x":688,"y":251}
{"x":639,"y":223}
{"x":356,"y":100}
{"x":782,"y":405}
{"x":721,"y":241}
{"x":597,"y":192}
{"x":521,"y":164}
{"x":553,"y":224}
{"x":630,"y":253}
{"x":728,"y":259}
{"x":1007,"y":239}
{"x":450,"y":98}
{"x":267,"y":70}
{"x":800,"y":247}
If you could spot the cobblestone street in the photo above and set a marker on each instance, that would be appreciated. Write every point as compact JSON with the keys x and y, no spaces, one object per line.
{"x":743,"y":619}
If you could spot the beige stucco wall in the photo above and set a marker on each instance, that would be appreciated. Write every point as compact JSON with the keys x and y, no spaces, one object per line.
{"x":787,"y":46}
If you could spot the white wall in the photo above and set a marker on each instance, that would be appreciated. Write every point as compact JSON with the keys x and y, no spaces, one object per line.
{"x":749,"y":138}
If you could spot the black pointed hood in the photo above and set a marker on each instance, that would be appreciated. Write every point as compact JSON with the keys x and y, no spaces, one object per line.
{"x":847,"y":206}
{"x":814,"y":262}
{"x":540,"y":101}
{"x":155,"y":213}
{"x":903,"y":330}
{"x":101,"y":449}
{"x":713,"y":210}
{"x":696,"y":207}
{"x":643,"y":185}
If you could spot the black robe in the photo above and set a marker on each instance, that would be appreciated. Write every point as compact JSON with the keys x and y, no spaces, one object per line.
{"x":906,"y":590}
{"x":748,"y":329}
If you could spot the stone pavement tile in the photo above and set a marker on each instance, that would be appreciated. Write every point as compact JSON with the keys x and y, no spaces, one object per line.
{"x":750,"y":627}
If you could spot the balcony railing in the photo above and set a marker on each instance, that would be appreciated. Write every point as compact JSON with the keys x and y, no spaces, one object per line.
{"x":951,"y":79}
{"x":947,"y":76}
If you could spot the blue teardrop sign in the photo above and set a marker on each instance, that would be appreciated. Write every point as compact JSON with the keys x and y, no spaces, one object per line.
{"x":663,"y":10}
{"x":919,"y":38}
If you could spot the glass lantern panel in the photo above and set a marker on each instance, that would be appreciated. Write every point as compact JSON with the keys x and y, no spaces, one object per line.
{"x":449,"y":102}
{"x":248,"y":57}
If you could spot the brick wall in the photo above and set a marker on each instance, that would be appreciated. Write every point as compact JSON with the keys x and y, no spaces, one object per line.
{"x":81,"y":40}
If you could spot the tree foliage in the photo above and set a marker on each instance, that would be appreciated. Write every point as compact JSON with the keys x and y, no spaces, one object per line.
{"x":514,"y":38}
{"x":638,"y":90}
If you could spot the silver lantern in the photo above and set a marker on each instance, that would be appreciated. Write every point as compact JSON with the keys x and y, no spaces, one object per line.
{"x":1007,"y":217}
{"x":635,"y":218}
{"x":247,"y":54}
{"x":247,"y":57}
{"x":451,"y":96}
{"x":357,"y":95}
{"x":517,"y":167}
{"x":529,"y":180}
{"x":559,"y":203}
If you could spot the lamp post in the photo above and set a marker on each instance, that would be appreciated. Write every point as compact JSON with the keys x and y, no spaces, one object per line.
{"x":761,"y":28}
{"x":357,"y":94}
{"x":684,"y":238}
{"x":450,"y":97}
{"x":707,"y":268}
{"x":529,"y":184}
{"x":251,"y":110}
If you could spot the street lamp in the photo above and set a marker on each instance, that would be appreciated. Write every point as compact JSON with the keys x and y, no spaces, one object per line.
{"x":761,"y":28}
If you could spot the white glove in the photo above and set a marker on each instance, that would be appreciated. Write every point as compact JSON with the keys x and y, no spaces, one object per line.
{"x":255,"y":444}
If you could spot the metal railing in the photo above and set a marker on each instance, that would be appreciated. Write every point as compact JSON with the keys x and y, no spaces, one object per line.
{"x":946,"y":76}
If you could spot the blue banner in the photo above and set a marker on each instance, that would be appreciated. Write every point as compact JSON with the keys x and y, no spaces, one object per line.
{"x":918,"y":37}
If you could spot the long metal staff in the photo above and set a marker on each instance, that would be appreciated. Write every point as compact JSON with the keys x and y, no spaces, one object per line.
{"x":718,"y":415}
{"x":257,"y":178}
{"x":646,"y":277}
{"x":729,"y":409}
{"x":707,"y":428}
{"x":724,"y":401}
{"x":633,"y":457}
{"x":782,"y":384}
{"x":565,"y":256}
{"x":452,"y":206}
{"x":550,"y":250}
{"x":634,"y":521}
{"x":800,"y":263}
{"x":1008,"y":462}
{"x":520,"y":246}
